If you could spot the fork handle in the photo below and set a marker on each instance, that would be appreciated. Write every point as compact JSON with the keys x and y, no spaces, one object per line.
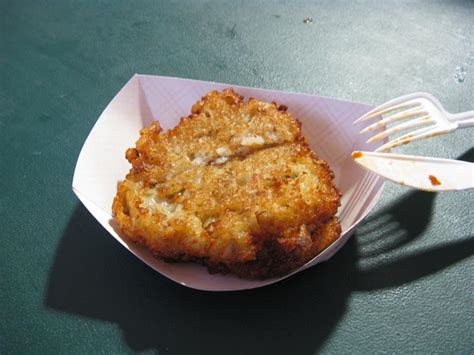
{"x":464,"y":119}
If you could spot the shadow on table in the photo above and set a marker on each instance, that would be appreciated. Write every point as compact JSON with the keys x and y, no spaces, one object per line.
{"x":94,"y":276}
{"x":467,"y":156}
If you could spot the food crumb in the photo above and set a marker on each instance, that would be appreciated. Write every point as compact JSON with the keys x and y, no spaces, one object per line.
{"x":434,"y":180}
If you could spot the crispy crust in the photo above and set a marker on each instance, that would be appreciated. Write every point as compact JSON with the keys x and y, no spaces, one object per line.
{"x":234,"y":186}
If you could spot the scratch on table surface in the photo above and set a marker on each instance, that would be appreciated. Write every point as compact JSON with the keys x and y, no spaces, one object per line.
{"x":418,"y":79}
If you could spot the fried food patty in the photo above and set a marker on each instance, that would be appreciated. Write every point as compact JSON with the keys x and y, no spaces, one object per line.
{"x":234,"y":186}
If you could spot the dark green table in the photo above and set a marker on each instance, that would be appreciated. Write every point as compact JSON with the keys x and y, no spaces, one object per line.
{"x":404,"y":282}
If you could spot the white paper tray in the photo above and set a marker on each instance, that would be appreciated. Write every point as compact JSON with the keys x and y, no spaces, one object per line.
{"x":327,"y":123}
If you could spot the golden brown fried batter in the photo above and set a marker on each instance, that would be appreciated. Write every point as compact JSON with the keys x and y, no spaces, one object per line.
{"x":234,"y":186}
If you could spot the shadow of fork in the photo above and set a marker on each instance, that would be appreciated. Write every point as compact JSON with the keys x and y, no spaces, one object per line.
{"x":404,"y":221}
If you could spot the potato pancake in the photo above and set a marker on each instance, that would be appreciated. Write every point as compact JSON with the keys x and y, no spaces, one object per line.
{"x":234,"y":186}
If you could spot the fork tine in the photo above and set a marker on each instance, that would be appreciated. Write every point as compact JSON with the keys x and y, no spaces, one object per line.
{"x":401,"y":127}
{"x":399,"y":101}
{"x":393,"y":118}
{"x":383,"y":109}
{"x":411,"y":137}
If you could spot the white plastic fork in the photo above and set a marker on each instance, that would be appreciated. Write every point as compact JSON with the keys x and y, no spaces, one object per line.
{"x":424,"y":109}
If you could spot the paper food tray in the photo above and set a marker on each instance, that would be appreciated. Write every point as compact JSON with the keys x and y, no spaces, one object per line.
{"x":327,"y":124}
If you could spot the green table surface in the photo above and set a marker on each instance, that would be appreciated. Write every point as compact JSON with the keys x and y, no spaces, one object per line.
{"x":403,"y":283}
